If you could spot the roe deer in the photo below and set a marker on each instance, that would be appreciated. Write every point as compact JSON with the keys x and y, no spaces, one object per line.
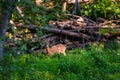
{"x":59,"y":48}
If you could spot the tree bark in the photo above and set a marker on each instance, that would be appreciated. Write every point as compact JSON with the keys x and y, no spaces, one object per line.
{"x":7,"y":8}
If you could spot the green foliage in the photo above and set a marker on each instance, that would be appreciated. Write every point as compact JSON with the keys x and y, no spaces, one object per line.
{"x":104,"y":8}
{"x":91,"y":63}
{"x":37,"y":15}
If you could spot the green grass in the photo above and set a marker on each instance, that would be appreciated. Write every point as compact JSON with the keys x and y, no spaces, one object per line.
{"x":92,"y":63}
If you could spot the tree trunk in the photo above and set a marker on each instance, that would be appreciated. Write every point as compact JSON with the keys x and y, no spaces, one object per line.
{"x":7,"y":8}
{"x":1,"y":50}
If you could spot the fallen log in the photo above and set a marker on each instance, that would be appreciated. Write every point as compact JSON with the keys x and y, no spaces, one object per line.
{"x":86,"y":19}
{"x":82,"y":28}
{"x":65,"y":32}
{"x":82,"y":1}
{"x":75,"y":33}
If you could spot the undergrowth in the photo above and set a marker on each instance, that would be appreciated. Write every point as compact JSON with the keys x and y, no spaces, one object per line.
{"x":92,"y":63}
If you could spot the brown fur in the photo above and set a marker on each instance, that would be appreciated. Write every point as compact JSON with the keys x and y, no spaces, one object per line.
{"x":59,"y":48}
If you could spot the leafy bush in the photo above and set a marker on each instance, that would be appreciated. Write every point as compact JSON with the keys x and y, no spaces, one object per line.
{"x":107,"y":9}
{"x":86,"y":64}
